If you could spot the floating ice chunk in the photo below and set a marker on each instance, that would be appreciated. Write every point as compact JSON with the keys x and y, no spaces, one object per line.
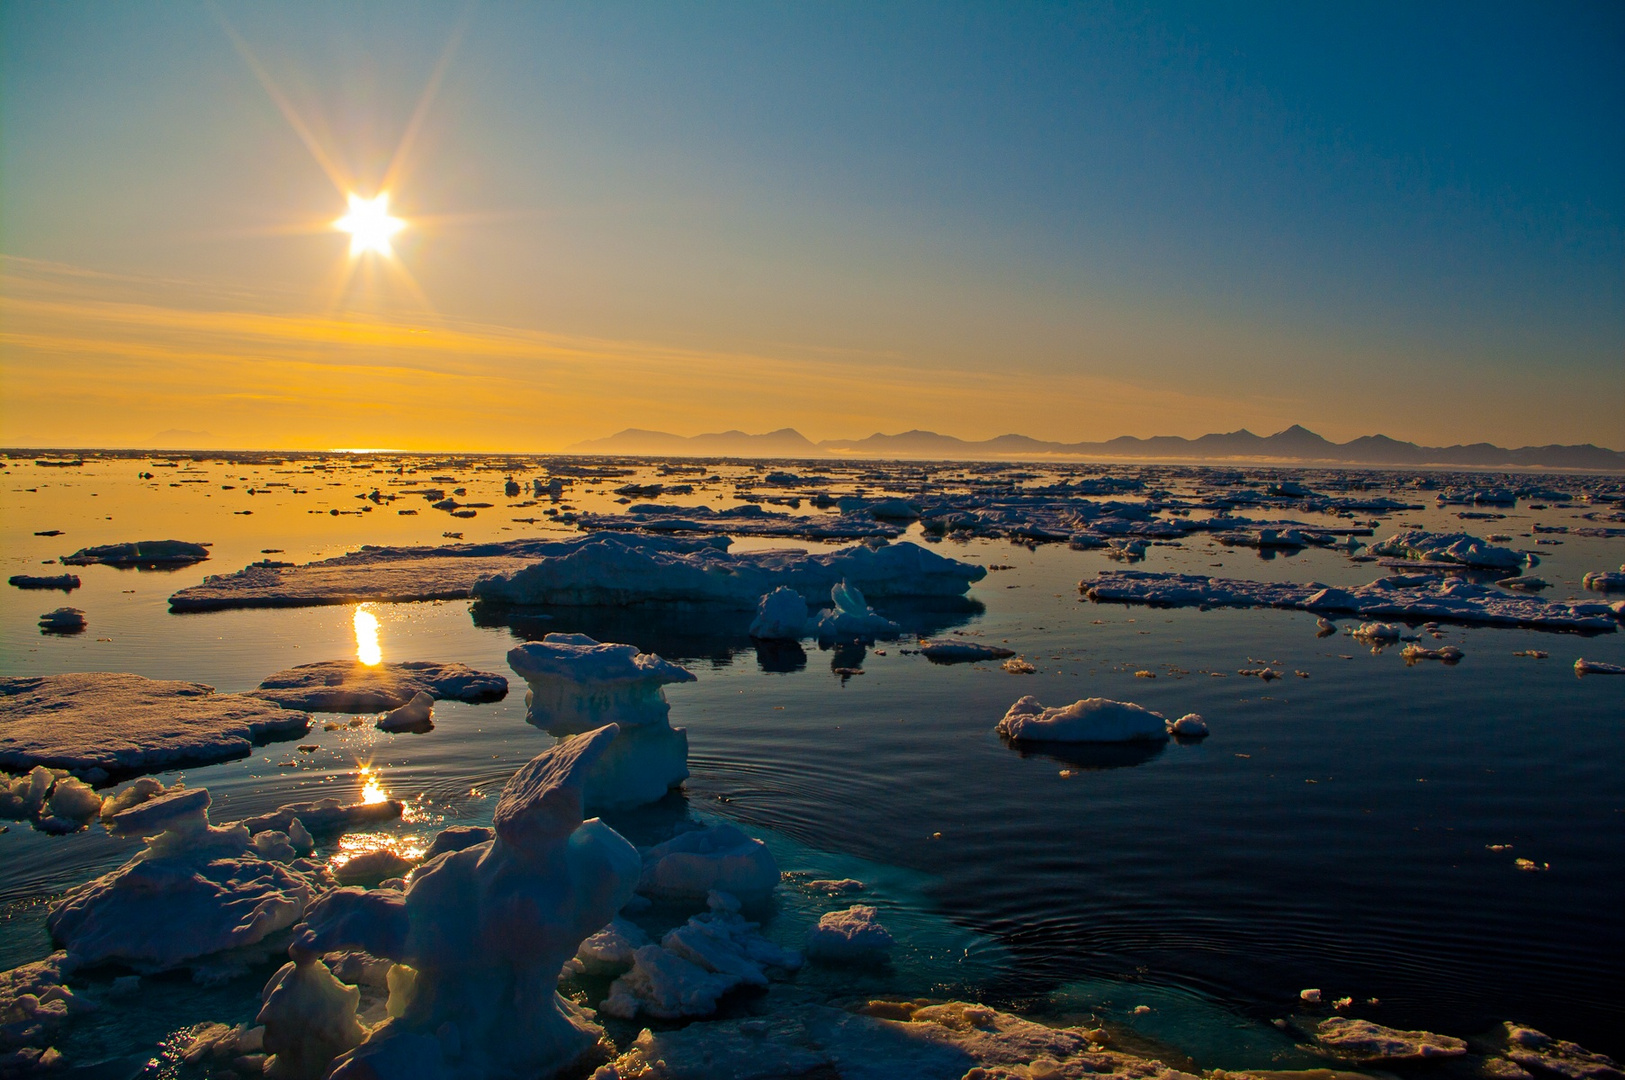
{"x":954,"y":651}
{"x":195,"y":889}
{"x":325,"y":816}
{"x":1524,"y":583}
{"x":73,"y":800}
{"x":781,"y":615}
{"x":484,"y":932}
{"x":348,"y":686}
{"x":371,"y":867}
{"x":1365,"y":1041}
{"x":1089,"y":720}
{"x":309,"y":1018}
{"x":1583,"y":666}
{"x":456,"y":838}
{"x":125,"y":724}
{"x":415,"y":715}
{"x":852,"y":615}
{"x":853,"y":936}
{"x":1312,"y":996}
{"x":695,"y":965}
{"x":133,"y":794}
{"x":65,"y":582}
{"x":1605,"y":580}
{"x":1374,"y":633}
{"x":1545,"y":1055}
{"x":1461,"y":548}
{"x":1449,"y":654}
{"x":34,"y":1002}
{"x":578,"y":684}
{"x":1415,"y":598}
{"x":140,"y":553}
{"x":611,"y":949}
{"x":63,"y":619}
{"x":1189,"y":726}
{"x":691,"y":865}
{"x":24,"y":796}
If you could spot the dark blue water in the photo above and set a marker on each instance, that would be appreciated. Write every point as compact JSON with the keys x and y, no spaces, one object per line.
{"x":1333,"y":832}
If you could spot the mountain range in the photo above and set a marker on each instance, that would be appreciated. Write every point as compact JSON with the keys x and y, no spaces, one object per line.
{"x":1295,"y":444}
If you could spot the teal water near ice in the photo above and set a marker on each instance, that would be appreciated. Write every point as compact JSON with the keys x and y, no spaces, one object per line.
{"x":1335,"y":831}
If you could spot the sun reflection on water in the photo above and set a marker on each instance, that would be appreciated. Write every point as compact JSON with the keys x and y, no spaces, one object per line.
{"x":367,"y":650}
{"x":372,"y":786}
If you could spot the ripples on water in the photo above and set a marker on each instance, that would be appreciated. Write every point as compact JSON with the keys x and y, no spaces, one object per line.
{"x":1333,"y":831}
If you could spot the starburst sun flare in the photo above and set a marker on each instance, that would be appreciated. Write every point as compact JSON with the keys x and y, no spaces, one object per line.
{"x":370,"y":225}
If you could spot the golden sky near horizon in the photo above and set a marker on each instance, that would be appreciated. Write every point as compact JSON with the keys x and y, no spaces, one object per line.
{"x":686,"y":223}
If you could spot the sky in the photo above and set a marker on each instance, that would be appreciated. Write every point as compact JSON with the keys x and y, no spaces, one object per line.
{"x":1070,"y":221}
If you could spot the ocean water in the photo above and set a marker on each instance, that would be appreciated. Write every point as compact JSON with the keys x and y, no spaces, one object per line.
{"x":1335,"y":830}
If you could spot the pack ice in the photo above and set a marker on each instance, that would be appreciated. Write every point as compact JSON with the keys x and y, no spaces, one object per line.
{"x":578,"y":684}
{"x":1460,"y":548}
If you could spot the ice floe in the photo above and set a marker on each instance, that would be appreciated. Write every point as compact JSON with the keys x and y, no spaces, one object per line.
{"x":1543,"y":1055}
{"x":65,"y":582}
{"x":1460,"y":548}
{"x":325,"y":817}
{"x":415,"y":715}
{"x":35,"y":1002}
{"x":1583,"y":666}
{"x":746,"y":520}
{"x":349,"y":686}
{"x":194,"y":890}
{"x":1415,"y":598}
{"x":1094,"y":719}
{"x":1605,"y":580}
{"x":851,"y":615}
{"x":781,"y":615}
{"x":957,"y":651}
{"x":1447,"y":654}
{"x":63,"y":620}
{"x":1189,"y":726}
{"x":479,"y":937}
{"x":852,"y":936}
{"x":1363,"y":1040}
{"x":720,"y":858}
{"x":578,"y":684}
{"x":101,"y":724}
{"x":140,"y":553}
{"x":696,"y":964}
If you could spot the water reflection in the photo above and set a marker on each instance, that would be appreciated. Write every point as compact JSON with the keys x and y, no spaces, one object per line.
{"x":372,"y":786}
{"x":367,"y":650}
{"x":687,"y":633}
{"x":1089,"y":757}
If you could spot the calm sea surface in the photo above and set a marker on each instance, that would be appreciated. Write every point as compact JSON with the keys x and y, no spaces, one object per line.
{"x":1335,"y":830}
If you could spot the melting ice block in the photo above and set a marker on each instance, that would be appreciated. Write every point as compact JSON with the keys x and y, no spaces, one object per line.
{"x":781,"y":615}
{"x":481,"y":935}
{"x":1461,"y":548}
{"x":578,"y":684}
{"x":195,"y":889}
{"x":1089,"y":720}
{"x":721,"y":858}
{"x":852,"y":615}
{"x":853,"y":936}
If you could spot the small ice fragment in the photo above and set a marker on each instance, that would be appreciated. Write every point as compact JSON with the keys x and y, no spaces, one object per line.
{"x":1189,"y":726}
{"x":1312,"y":996}
{"x":1088,"y":720}
{"x":853,"y":936}
{"x":415,"y":715}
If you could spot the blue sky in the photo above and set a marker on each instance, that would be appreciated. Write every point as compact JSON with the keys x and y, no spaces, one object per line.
{"x":1075,"y":221}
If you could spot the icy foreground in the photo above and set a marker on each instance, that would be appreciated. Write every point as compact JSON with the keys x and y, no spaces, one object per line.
{"x":484,"y":932}
{"x":102,"y":724}
{"x":349,"y":686}
{"x":578,"y":684}
{"x":602,"y":569}
{"x":1414,"y":598}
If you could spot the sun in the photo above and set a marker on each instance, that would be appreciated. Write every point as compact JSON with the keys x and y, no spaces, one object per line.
{"x":369,"y":225}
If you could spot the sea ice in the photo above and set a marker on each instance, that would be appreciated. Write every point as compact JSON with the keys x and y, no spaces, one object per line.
{"x":853,"y":936}
{"x":1544,"y":1055}
{"x":481,"y":934}
{"x":852,"y":616}
{"x":34,"y":1002}
{"x":24,"y":796}
{"x":720,"y":858}
{"x":746,"y":520}
{"x":65,"y":582}
{"x":954,"y":651}
{"x":1605,"y":580}
{"x":325,"y":817}
{"x":63,"y":619}
{"x":310,"y":1019}
{"x":612,"y":949}
{"x":1376,"y":633}
{"x":349,"y":686}
{"x":1089,"y":720}
{"x":1189,"y":726}
{"x":1366,"y":1041}
{"x":1461,"y":548}
{"x":1415,"y":598}
{"x":1449,"y":654}
{"x":195,"y":889}
{"x":781,"y":615}
{"x":415,"y":715}
{"x":122,"y":724}
{"x":1583,"y":666}
{"x":578,"y":684}
{"x":140,"y":553}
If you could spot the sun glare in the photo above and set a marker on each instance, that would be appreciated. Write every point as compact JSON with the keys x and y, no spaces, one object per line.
{"x":370,"y":225}
{"x":372,"y":786}
{"x":367,"y":649}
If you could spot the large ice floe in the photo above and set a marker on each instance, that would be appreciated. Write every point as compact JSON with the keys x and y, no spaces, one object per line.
{"x":578,"y":684}
{"x":1461,"y":549}
{"x":1091,"y":720}
{"x":1412,"y":597}
{"x":601,"y":569}
{"x":193,"y":890}
{"x":479,"y":937}
{"x":140,"y":553}
{"x":101,"y":724}
{"x":746,"y":520}
{"x":697,"y":964}
{"x":350,"y":686}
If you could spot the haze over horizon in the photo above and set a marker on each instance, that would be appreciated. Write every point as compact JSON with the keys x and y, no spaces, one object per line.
{"x":1072,"y":223}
